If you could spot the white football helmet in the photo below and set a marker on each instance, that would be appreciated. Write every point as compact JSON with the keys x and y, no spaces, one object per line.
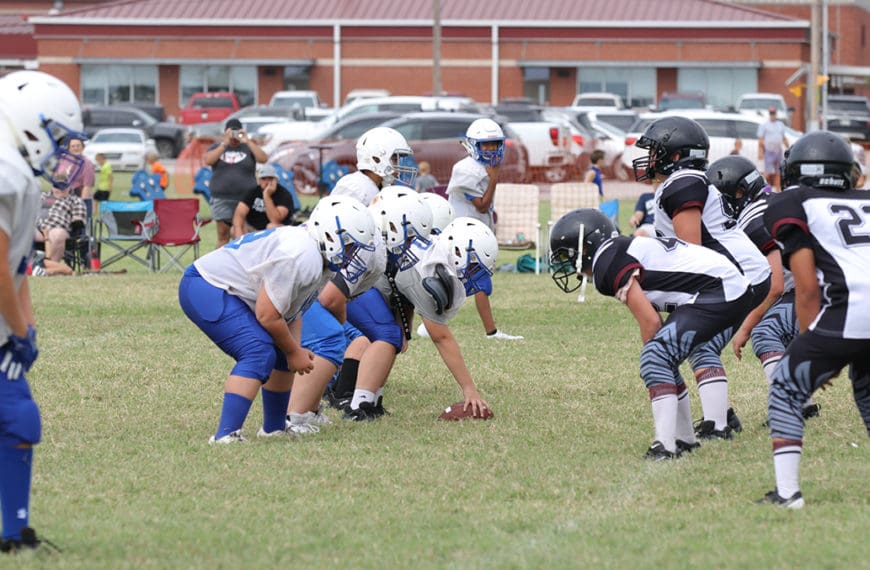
{"x":442,"y":211}
{"x":342,"y":226}
{"x":404,"y":220}
{"x":472,"y":249}
{"x":40,"y":112}
{"x":385,"y":152}
{"x":484,"y":131}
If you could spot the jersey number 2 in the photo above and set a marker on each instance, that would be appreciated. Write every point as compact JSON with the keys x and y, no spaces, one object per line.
{"x":850,"y":220}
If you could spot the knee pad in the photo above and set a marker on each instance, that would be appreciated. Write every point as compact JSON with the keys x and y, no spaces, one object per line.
{"x":257,"y":361}
{"x":20,"y":423}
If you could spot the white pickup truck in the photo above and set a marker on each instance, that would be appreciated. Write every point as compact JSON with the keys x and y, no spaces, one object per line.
{"x":548,"y":143}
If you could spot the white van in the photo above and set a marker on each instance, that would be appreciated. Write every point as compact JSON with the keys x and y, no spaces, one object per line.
{"x":760,"y":103}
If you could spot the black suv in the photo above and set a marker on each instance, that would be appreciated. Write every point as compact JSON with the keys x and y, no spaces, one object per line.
{"x":169,"y":138}
{"x":849,"y":115}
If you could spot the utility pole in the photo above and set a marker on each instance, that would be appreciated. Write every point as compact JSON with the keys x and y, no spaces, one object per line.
{"x":436,"y":47}
{"x":813,"y":77}
{"x":826,"y":60}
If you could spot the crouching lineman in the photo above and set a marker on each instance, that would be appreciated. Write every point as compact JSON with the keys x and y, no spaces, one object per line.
{"x":37,"y":112}
{"x":702,"y":291}
{"x":823,"y":226}
{"x":247,"y":297}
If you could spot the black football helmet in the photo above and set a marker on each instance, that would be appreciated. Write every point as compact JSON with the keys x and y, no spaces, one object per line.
{"x":579,"y":233}
{"x":738,"y":180}
{"x":821,"y":159}
{"x":666,"y":137}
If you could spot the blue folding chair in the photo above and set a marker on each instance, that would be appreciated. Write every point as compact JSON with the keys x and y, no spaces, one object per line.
{"x":332,"y":171}
{"x":285,"y":179}
{"x":611,"y":210}
{"x":121,"y":229}
{"x":201,"y":182}
{"x":146,"y":186}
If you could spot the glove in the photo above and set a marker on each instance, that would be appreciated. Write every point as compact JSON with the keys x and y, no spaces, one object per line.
{"x":23,"y":348}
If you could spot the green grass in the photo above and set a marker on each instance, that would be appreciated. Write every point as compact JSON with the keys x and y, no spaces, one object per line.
{"x":130,"y":391}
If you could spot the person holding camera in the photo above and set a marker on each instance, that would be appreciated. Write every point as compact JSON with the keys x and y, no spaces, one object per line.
{"x":234,"y":164}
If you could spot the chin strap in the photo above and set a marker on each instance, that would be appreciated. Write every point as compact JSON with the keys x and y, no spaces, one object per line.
{"x":397,"y":300}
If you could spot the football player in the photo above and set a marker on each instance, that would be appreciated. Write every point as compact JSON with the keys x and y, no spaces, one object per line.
{"x":383,"y":158}
{"x":690,"y":208}
{"x":247,"y":297}
{"x":772,"y":324}
{"x":823,"y":227}
{"x":702,"y":292}
{"x":471,"y":192}
{"x":37,"y":112}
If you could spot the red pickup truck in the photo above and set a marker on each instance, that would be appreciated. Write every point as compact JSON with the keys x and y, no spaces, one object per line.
{"x":209,"y":108}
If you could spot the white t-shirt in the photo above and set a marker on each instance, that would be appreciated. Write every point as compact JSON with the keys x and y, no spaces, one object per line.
{"x":286,"y":260}
{"x":469,"y":178}
{"x":356,"y":185}
{"x":772,"y":132}
{"x":20,"y":199}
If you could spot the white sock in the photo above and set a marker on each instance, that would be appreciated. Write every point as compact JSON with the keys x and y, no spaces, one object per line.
{"x":769,"y":365}
{"x":713,"y":390}
{"x":786,"y":466}
{"x":664,"y":410}
{"x":685,"y":431}
{"x":379,"y":393}
{"x":360,"y":396}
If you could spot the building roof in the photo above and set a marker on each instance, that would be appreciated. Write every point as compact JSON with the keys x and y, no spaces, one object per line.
{"x":509,"y":13}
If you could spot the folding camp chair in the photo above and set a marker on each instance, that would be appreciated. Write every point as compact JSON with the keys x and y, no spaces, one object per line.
{"x":518,"y":225}
{"x":567,"y":196}
{"x":332,"y":171}
{"x":120,"y":228}
{"x":172,"y":223}
{"x":611,"y":210}
{"x":201,"y":181}
{"x":80,"y":247}
{"x":146,"y":186}
{"x":285,"y":179}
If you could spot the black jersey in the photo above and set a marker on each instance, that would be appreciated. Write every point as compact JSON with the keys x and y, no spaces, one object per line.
{"x":751,"y":221}
{"x":670,"y":271}
{"x":686,"y":189}
{"x":836,"y":226}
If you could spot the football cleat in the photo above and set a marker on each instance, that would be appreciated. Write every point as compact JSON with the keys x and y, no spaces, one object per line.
{"x":337,"y":401}
{"x":657,"y":452}
{"x":365,"y":413}
{"x":734,"y":421}
{"x":504,"y":336}
{"x":232,"y":437}
{"x":686,"y":447}
{"x":811,"y":411}
{"x":301,"y":424}
{"x":796,"y":501}
{"x":29,"y":541}
{"x":262,"y":434}
{"x":706,"y":429}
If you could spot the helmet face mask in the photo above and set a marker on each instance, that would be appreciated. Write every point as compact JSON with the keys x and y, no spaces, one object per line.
{"x":820,"y":159}
{"x":385,"y":152}
{"x":42,"y":112}
{"x":485,"y":142}
{"x":405,"y":222}
{"x":578,"y":234}
{"x":673,"y":143}
{"x":472,"y":249}
{"x":343,"y":229}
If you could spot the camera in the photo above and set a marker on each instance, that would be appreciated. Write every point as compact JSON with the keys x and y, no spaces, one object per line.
{"x":236,"y":133}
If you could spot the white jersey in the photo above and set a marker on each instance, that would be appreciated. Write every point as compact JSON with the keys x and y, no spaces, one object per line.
{"x":286,"y":260}
{"x":690,"y":189}
{"x":356,"y":185}
{"x":410,"y":284}
{"x":376,"y":265}
{"x":469,"y":180}
{"x":20,"y":199}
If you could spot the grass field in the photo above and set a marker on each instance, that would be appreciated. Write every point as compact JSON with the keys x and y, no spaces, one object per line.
{"x":130,"y":391}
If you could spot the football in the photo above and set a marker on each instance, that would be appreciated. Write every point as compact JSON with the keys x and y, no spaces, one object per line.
{"x":455,"y":412}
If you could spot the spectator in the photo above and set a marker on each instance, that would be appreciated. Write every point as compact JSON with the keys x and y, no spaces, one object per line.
{"x":268,"y":205}
{"x":105,"y":178}
{"x":155,"y":167}
{"x":66,"y":212}
{"x":738,"y":146}
{"x":83,"y":181}
{"x":644,"y":216}
{"x":771,"y":148}
{"x":425,"y":180}
{"x":233,"y":162}
{"x":594,"y":172}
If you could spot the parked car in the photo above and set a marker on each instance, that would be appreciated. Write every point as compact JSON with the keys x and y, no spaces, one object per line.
{"x":674,"y":101}
{"x":548,"y":141}
{"x":156,"y":110}
{"x":849,"y":115}
{"x":722,"y":128}
{"x":433,"y":136}
{"x":213,"y":107}
{"x":609,"y":101}
{"x":296,"y":99}
{"x":125,"y":149}
{"x":169,"y":138}
{"x":364,"y":94}
{"x":760,"y":104}
{"x":622,"y":120}
{"x":406,"y":104}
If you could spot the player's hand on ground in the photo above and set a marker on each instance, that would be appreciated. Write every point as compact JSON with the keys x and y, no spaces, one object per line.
{"x":476,"y":404}
{"x":301,"y":361}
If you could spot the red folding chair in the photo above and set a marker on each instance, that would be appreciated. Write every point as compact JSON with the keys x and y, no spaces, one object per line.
{"x":174,"y":223}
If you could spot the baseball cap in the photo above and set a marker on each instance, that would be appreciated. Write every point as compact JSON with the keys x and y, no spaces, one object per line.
{"x":234,"y":124}
{"x":266,"y":171}
{"x":772,"y":109}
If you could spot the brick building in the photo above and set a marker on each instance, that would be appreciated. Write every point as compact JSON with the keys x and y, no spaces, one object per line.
{"x":549,"y":50}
